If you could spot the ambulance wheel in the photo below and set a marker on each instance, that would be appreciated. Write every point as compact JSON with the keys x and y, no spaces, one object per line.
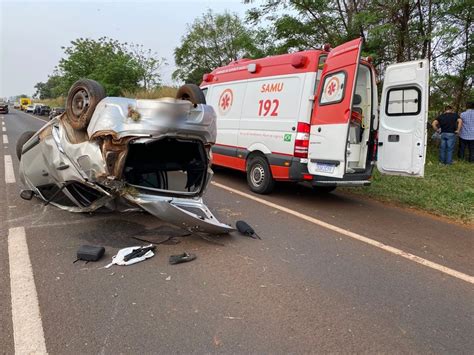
{"x":82,"y":99}
{"x":259,"y":175}
{"x":324,"y":189}
{"x":191,"y":92}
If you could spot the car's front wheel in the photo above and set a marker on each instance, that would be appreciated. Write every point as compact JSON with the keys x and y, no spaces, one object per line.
{"x":25,"y":137}
{"x":259,"y":175}
{"x":82,"y":99}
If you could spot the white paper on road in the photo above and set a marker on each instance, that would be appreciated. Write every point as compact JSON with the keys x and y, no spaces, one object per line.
{"x":118,"y":259}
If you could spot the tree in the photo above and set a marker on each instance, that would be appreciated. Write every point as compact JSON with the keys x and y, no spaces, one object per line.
{"x":393,"y":31}
{"x":213,"y":40}
{"x":52,"y":88}
{"x":149,"y":65}
{"x":105,"y":60}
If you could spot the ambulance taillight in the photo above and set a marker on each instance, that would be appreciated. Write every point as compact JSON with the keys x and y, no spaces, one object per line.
{"x":302,"y":140}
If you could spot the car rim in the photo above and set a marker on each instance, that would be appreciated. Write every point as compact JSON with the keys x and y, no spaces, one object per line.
{"x":257,"y":175}
{"x":80,"y":102}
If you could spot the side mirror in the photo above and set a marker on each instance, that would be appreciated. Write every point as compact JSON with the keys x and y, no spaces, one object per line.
{"x":27,"y":194}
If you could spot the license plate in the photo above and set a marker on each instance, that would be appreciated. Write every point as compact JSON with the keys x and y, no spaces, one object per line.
{"x":325,"y":168}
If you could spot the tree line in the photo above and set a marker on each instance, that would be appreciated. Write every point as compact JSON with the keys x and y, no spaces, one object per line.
{"x":393,"y":31}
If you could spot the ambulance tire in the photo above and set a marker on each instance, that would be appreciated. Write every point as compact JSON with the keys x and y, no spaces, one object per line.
{"x":324,"y":189}
{"x":191,"y":92}
{"x":82,"y":99}
{"x":259,"y":175}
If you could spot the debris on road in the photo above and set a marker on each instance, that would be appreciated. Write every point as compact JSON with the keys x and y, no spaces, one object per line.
{"x":132,"y":255}
{"x":90,"y":253}
{"x":245,"y":229}
{"x":181,"y":258}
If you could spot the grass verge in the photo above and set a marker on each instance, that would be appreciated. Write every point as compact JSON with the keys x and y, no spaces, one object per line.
{"x":446,"y":191}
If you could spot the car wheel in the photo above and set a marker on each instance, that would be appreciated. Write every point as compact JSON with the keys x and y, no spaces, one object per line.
{"x":191,"y":92}
{"x":324,"y":189}
{"x":259,"y":175}
{"x":25,"y":137}
{"x":82,"y":99}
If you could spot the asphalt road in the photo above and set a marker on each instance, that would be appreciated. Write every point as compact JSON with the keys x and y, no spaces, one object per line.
{"x":306,"y":287}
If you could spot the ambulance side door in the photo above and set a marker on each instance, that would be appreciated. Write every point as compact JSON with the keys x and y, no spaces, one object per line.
{"x":403,"y":119}
{"x":332,"y":110}
{"x":227,"y":99}
{"x":270,"y":111}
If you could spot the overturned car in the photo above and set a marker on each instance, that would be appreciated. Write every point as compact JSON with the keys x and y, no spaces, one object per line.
{"x":125,"y":154}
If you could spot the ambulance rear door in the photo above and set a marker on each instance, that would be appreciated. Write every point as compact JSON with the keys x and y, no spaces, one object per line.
{"x":332,"y":111}
{"x":403,"y":119}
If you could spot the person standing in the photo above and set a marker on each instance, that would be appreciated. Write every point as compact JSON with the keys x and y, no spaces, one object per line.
{"x":448,"y":124}
{"x":466,"y":135}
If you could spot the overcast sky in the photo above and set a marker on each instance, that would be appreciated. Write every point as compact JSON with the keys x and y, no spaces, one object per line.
{"x":32,"y":32}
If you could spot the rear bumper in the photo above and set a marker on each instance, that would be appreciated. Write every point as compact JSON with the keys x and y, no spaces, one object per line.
{"x":3,"y":110}
{"x":299,"y":173}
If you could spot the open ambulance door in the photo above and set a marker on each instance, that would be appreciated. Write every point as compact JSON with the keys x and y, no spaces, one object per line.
{"x":403,"y":119}
{"x":332,"y":111}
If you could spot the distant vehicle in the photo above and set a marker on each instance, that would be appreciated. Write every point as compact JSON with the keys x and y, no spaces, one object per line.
{"x":30,"y":109}
{"x":3,"y":107}
{"x":37,"y":108}
{"x":16,"y":105}
{"x":56,"y":111}
{"x":44,"y":110}
{"x":24,"y":103}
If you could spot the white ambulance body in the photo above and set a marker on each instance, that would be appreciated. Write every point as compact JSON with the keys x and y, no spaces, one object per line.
{"x":314,"y":116}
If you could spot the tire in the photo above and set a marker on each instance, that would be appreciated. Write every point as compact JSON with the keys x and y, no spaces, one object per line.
{"x":25,"y":137}
{"x":191,"y":92}
{"x":324,"y":189}
{"x":82,"y":100}
{"x":259,"y":175}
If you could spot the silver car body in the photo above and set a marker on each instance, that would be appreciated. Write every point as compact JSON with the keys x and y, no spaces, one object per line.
{"x":82,"y":172}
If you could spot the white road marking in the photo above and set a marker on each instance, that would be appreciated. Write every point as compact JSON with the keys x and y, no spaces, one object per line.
{"x":454,"y":273}
{"x":9,"y":172}
{"x":4,"y":129}
{"x":5,"y":139}
{"x":28,"y":331}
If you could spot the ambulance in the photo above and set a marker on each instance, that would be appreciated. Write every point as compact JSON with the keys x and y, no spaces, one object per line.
{"x":314,"y":116}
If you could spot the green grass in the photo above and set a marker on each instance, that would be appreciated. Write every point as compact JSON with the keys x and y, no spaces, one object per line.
{"x":444,"y":191}
{"x":57,"y":102}
{"x":164,"y":91}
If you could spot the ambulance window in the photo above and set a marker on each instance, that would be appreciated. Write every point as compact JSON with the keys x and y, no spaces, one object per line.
{"x":403,"y":102}
{"x":333,"y":88}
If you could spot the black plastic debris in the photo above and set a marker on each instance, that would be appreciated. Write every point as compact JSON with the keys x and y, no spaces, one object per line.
{"x":245,"y":229}
{"x":182,"y":258}
{"x":138,"y":252}
{"x":90,"y":253}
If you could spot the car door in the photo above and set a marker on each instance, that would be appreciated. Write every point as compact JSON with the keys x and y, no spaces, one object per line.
{"x":403,"y":119}
{"x":332,"y":111}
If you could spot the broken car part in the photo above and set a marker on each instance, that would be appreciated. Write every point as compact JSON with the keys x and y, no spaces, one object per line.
{"x":181,"y":258}
{"x":138,"y":252}
{"x":90,"y":253}
{"x":125,"y":154}
{"x":245,"y":229}
{"x":122,"y":253}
